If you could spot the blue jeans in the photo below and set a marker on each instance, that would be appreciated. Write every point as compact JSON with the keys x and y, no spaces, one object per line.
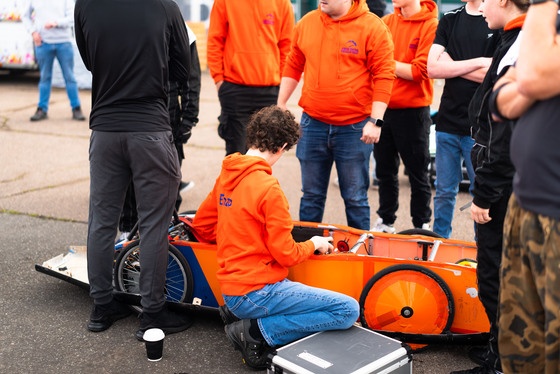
{"x":320,"y":145}
{"x":287,"y":311}
{"x":64,"y":53}
{"x":451,"y":150}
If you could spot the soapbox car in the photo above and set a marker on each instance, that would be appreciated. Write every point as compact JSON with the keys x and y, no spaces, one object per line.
{"x":412,"y":286}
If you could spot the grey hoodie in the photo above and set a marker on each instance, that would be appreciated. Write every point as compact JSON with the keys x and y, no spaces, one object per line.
{"x":36,"y":13}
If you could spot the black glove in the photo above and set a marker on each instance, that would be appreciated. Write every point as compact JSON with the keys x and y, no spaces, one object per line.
{"x":184,"y":131}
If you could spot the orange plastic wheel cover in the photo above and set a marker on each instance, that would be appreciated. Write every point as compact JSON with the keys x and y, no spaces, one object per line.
{"x":407,"y":301}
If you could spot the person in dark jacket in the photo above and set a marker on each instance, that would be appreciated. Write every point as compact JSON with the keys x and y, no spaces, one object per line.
{"x":493,"y":168}
{"x":133,"y":50}
{"x":183,"y":115}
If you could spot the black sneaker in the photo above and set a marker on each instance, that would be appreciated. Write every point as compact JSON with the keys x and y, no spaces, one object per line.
{"x":39,"y":115}
{"x":170,"y":322}
{"x":255,"y":352}
{"x":478,"y":355}
{"x":103,"y":316}
{"x":227,"y":315}
{"x":77,"y":114}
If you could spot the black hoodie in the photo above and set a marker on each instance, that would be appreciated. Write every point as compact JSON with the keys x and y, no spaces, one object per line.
{"x":490,"y":156}
{"x":133,"y":48}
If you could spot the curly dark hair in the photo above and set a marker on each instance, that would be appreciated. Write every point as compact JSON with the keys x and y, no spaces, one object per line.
{"x":272,"y":127}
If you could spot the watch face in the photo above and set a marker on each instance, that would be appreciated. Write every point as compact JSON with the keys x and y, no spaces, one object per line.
{"x":375,"y":121}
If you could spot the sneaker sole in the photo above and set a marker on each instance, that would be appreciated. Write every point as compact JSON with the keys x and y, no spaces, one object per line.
{"x":102,"y":326}
{"x":167,"y":331}
{"x":98,"y":327}
{"x":384,"y":231}
{"x":237,"y":345}
{"x":233,"y":340}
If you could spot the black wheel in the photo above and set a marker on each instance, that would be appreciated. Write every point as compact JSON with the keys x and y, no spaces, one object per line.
{"x":407,"y":298}
{"x":179,"y":279}
{"x":421,"y":232}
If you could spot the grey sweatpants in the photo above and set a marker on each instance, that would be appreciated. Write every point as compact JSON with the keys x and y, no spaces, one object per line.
{"x":150,"y":160}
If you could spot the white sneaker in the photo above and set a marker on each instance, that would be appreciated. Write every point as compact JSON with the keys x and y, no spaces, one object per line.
{"x":185,"y":186}
{"x":122,"y":236}
{"x":425,"y":226}
{"x":381,"y":227}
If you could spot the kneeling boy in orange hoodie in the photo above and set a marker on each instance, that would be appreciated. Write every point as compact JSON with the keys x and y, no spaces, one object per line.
{"x":247,"y":216}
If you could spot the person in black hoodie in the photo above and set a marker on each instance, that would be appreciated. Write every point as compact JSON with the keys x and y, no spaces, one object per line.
{"x":183,"y":115}
{"x":493,"y":168}
{"x":133,"y":50}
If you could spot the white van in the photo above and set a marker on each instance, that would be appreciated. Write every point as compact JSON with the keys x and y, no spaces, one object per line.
{"x":16,"y":44}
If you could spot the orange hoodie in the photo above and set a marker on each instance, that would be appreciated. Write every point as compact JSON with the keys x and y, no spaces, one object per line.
{"x":347,"y":64}
{"x":413,"y":38}
{"x":517,"y":22}
{"x":248,"y":40}
{"x":247,"y":215}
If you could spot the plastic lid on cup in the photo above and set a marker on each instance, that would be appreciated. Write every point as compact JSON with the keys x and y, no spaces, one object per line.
{"x":153,"y":335}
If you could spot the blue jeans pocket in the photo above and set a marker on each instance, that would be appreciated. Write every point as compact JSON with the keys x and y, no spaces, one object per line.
{"x":305,"y":120}
{"x":359,"y":126}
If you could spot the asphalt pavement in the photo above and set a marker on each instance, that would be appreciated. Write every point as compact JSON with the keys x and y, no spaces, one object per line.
{"x":44,"y":187}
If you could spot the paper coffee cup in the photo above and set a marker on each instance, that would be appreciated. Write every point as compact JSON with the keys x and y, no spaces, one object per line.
{"x":154,"y":344}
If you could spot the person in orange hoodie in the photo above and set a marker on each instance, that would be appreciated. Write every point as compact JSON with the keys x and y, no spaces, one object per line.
{"x":248,"y":41}
{"x":407,"y":121}
{"x":247,"y":216}
{"x":346,"y":56}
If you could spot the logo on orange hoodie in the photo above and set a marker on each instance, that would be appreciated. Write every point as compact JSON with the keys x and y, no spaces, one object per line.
{"x":414,"y":44}
{"x":351,"y":47}
{"x":269,"y":19}
{"x":225,"y":201}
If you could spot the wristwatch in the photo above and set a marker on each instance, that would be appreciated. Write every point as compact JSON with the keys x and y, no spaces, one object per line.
{"x":379,"y":122}
{"x":535,"y":2}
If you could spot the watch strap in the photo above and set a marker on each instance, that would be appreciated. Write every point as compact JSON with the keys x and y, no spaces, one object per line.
{"x":376,"y":121}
